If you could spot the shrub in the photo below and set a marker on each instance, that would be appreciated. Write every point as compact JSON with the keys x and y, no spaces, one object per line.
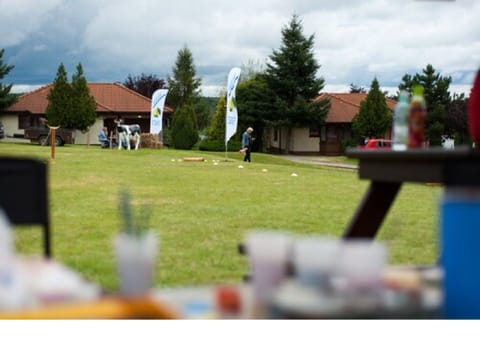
{"x":184,"y":133}
{"x":218,"y":145}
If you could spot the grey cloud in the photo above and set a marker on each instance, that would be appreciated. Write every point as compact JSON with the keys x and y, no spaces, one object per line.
{"x":354,"y":40}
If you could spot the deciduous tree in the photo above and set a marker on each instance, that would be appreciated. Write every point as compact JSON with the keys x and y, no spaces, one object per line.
{"x":144,"y":84}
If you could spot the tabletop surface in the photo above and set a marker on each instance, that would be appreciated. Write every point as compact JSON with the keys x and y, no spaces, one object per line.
{"x":458,"y":167}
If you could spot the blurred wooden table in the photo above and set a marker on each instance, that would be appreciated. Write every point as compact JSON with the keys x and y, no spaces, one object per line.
{"x":388,"y":170}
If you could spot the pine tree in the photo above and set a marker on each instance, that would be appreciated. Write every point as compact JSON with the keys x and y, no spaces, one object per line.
{"x":184,"y":86}
{"x":437,"y":97}
{"x":292,"y":75}
{"x":83,"y":114}
{"x":6,"y":98}
{"x":60,"y":100}
{"x":374,"y":116}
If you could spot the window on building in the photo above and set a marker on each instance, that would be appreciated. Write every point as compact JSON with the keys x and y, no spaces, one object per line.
{"x":275,"y":135}
{"x":314,"y":132}
{"x":24,"y":121}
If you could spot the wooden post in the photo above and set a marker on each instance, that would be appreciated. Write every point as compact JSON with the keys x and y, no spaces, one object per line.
{"x":53,"y":140}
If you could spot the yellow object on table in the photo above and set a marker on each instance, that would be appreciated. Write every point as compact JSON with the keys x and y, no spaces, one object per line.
{"x":104,"y":308}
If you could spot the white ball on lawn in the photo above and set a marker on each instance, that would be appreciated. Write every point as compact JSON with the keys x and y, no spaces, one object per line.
{"x":240,"y":166}
{"x":173,"y":160}
{"x":264,"y":170}
{"x":215,"y":163}
{"x":293,"y":174}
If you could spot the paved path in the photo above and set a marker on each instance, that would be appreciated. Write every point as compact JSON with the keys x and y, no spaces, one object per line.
{"x":318,"y":160}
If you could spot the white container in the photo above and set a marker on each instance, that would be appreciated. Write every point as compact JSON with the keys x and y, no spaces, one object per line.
{"x":361,"y":263}
{"x":136,"y":257}
{"x":268,"y":253}
{"x":314,"y":260}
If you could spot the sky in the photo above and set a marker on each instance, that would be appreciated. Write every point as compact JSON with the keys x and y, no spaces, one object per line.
{"x":355,"y":41}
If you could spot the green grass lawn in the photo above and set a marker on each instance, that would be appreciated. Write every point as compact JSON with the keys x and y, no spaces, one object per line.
{"x":201,"y":211}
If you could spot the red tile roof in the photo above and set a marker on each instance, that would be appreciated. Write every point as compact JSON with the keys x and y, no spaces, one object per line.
{"x":344,"y":106}
{"x":110,"y":97}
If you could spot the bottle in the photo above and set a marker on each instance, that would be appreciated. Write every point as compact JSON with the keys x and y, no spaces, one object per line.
{"x":400,"y":124}
{"x":417,"y":118}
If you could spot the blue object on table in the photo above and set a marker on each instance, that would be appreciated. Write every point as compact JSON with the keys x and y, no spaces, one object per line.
{"x":460,"y":253}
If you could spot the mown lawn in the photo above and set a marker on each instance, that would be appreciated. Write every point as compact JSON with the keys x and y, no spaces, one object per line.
{"x":201,"y":211}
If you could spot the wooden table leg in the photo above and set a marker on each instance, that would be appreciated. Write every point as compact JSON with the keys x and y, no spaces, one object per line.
{"x":372,"y":210}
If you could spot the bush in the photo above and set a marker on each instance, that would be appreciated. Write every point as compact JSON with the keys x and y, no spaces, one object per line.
{"x":218,"y":145}
{"x":184,"y":133}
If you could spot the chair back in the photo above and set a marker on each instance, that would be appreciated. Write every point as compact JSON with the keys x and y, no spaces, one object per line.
{"x":24,"y":194}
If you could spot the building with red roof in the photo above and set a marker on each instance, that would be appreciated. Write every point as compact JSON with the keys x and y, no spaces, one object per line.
{"x":113,"y":101}
{"x":329,"y":139}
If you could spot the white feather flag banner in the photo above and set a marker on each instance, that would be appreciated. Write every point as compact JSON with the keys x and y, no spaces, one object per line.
{"x":231,"y":118}
{"x":156,"y":113}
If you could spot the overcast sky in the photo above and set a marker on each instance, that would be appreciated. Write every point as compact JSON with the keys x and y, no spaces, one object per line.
{"x":354,"y":40}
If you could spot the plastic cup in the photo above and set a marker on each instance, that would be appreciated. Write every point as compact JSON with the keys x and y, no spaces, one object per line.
{"x":268,"y":253}
{"x":314,"y":260}
{"x":135,"y":262}
{"x":361,"y":263}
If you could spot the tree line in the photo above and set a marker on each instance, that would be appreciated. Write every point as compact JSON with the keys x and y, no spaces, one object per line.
{"x":277,"y":94}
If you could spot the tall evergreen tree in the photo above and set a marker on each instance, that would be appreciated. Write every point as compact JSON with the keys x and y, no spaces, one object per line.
{"x":83,"y":112}
{"x":437,"y":97}
{"x":374,"y":116}
{"x":60,"y":100}
{"x":6,"y":98}
{"x":292,"y":75}
{"x":184,"y":86}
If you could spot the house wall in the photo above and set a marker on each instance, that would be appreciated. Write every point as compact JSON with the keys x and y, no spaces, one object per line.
{"x":10,"y":124}
{"x":301,"y":142}
{"x":90,"y":137}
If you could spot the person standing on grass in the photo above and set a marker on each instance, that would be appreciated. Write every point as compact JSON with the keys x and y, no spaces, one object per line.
{"x":247,"y":143}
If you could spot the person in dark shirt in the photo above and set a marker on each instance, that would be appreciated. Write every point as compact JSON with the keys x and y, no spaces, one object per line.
{"x":247,"y":144}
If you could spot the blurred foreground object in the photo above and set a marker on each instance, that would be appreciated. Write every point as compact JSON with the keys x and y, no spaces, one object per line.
{"x":417,"y":118}
{"x":474,"y":110}
{"x":106,"y":308}
{"x":24,"y":194}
